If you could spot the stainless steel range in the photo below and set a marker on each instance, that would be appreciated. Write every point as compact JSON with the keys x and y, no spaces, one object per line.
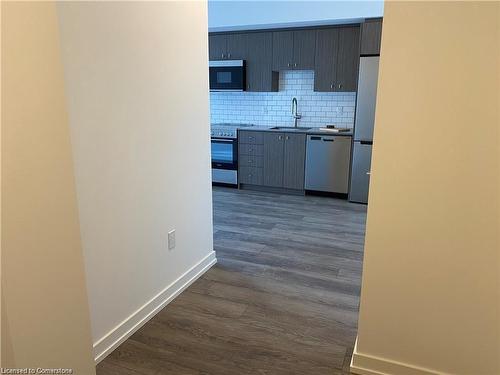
{"x":225,"y":152}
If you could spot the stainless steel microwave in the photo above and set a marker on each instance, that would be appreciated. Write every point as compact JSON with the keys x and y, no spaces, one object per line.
{"x":227,"y":75}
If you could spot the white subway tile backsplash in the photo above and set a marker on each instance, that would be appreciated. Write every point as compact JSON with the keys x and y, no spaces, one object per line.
{"x":274,"y":108}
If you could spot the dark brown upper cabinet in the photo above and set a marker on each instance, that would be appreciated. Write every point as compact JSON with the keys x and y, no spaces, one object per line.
{"x":346,"y":77}
{"x":259,"y":60}
{"x":294,"y":49}
{"x":227,"y":46}
{"x":217,"y":47}
{"x":337,"y":59}
{"x":304,"y":46}
{"x":236,"y":46}
{"x":256,"y":48}
{"x":333,"y":53}
{"x":325,"y":66}
{"x":282,"y":50}
{"x":371,"y":34}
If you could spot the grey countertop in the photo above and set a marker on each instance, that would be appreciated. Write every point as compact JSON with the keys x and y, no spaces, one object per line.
{"x":312,"y":130}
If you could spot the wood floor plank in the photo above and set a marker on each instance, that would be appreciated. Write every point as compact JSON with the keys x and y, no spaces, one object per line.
{"x":282,"y":299}
{"x":109,"y":367}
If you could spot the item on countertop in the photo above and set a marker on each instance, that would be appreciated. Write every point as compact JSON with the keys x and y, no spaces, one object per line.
{"x":333,"y":129}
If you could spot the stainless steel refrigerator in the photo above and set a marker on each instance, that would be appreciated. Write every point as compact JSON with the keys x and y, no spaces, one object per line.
{"x":363,"y":129}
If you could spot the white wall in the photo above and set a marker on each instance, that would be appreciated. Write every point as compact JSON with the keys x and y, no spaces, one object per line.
{"x":429,"y":300}
{"x":45,"y":314}
{"x":234,"y":15}
{"x":137,"y":86}
{"x":274,"y":108}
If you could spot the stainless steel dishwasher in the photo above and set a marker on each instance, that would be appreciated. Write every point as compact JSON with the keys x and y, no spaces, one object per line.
{"x":327,"y":163}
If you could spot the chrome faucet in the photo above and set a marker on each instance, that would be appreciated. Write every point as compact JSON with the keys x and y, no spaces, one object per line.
{"x":295,"y":115}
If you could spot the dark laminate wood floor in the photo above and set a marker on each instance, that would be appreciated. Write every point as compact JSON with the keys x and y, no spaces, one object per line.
{"x":283,"y":298}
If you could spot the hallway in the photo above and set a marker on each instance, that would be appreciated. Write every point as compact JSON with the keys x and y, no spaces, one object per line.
{"x":282,"y":299}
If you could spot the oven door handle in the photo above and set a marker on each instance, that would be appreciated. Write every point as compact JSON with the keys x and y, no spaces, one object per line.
{"x":223,"y":140}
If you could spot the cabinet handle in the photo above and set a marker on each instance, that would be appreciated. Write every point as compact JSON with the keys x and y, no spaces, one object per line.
{"x":280,"y":137}
{"x":222,"y":55}
{"x":228,"y":55}
{"x":368,"y":173}
{"x":287,"y":137}
{"x":295,"y":65}
{"x":288,"y":64}
{"x":340,"y":86}
{"x":331,"y":86}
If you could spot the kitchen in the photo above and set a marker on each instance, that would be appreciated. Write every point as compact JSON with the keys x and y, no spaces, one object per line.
{"x":292,"y":117}
{"x":292,"y":110}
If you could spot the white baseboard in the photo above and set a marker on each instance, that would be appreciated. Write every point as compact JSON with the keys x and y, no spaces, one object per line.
{"x":364,"y":364}
{"x":125,"y":329}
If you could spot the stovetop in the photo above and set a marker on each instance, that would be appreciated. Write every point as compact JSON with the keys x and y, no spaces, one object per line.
{"x":226,"y":130}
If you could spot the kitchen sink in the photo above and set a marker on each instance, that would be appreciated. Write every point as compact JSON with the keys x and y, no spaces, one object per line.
{"x":289,"y":128}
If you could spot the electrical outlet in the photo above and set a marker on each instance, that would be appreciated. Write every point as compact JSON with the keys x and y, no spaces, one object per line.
{"x":171,"y":239}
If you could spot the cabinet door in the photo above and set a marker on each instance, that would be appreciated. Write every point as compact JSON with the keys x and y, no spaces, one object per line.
{"x":304,"y":46}
{"x":273,"y":159}
{"x":217,"y":47}
{"x":294,"y":161}
{"x":282,"y":50}
{"x":260,"y":76}
{"x":347,"y":59}
{"x":250,"y":175}
{"x":236,"y":46}
{"x":325,"y":62}
{"x":371,"y":33}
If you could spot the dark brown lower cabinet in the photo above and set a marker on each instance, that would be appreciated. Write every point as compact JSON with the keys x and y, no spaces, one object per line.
{"x":294,"y":157}
{"x":250,"y":175}
{"x":273,"y":159}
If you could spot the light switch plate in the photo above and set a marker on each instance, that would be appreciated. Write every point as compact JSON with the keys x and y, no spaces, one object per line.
{"x":171,"y":239}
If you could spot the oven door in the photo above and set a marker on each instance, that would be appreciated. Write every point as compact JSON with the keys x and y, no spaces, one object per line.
{"x":224,"y":153}
{"x":227,"y":75}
